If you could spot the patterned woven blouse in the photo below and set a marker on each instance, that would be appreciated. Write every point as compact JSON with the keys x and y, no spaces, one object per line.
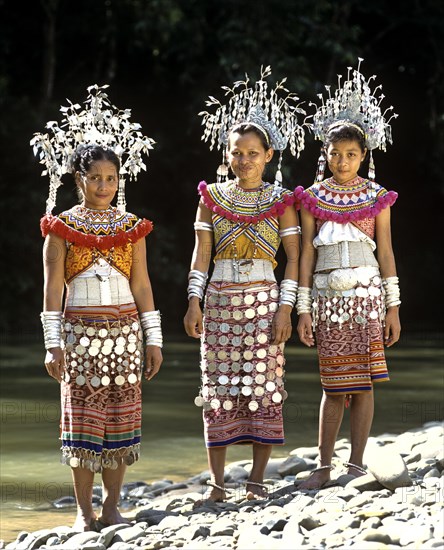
{"x":243,"y":216}
{"x":358,"y":202}
{"x":85,"y":229}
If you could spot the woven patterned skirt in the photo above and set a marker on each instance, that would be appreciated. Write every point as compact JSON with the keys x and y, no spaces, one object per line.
{"x":351,"y":357}
{"x":101,"y":390}
{"x":242,"y":388}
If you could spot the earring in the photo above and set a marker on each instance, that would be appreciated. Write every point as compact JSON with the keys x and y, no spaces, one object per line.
{"x":222,"y":170}
{"x":278,"y":176}
{"x":321,"y":167}
{"x":371,"y":168}
{"x":121,"y":202}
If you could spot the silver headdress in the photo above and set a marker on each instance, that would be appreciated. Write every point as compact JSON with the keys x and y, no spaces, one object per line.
{"x":98,"y":123}
{"x":266,"y":109}
{"x":354,"y":104}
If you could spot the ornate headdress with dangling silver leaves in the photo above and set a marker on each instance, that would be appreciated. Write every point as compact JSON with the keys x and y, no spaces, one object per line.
{"x":356,"y":105}
{"x":98,"y":123}
{"x":270,"y":111}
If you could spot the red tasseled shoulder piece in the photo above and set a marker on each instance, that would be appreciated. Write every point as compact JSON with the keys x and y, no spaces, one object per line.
{"x":52,"y":224}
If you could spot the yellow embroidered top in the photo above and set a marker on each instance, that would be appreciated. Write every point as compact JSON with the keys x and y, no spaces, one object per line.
{"x":91,"y":234}
{"x":247,"y":218}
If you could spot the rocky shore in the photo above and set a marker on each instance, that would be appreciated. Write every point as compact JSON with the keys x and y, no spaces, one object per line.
{"x":398,"y":503}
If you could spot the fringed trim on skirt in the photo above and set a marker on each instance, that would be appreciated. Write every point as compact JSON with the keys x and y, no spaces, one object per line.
{"x":94,"y":461}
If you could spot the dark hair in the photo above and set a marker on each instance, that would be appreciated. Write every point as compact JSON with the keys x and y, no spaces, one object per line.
{"x":85,"y":155}
{"x":245,"y":127}
{"x":345,"y":132}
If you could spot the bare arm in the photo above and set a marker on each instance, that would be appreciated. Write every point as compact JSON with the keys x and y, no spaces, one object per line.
{"x":281,"y":329}
{"x":143,"y":297}
{"x":387,"y":265}
{"x":306,"y":269}
{"x":54,"y":254}
{"x":201,"y":262}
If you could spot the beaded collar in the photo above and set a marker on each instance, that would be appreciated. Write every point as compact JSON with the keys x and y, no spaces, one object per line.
{"x":356,"y":200}
{"x":243,"y":205}
{"x":101,"y":229}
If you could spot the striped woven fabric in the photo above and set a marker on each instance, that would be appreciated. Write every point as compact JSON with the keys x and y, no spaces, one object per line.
{"x":351,"y":359}
{"x":101,"y":391}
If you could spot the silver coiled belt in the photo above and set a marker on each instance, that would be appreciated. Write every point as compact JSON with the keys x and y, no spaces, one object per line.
{"x":260,"y":270}
{"x":345,"y":254}
{"x":90,"y":291}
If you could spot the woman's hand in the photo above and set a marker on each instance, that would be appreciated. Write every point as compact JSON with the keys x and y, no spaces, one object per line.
{"x":281,"y":326}
{"x":153,"y":360}
{"x":305,"y":329}
{"x":193,"y":319}
{"x":392,"y":326}
{"x":55,"y":362}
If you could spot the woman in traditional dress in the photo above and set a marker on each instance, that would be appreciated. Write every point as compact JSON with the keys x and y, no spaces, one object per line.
{"x":96,"y":273}
{"x":247,"y":317}
{"x":348,"y":299}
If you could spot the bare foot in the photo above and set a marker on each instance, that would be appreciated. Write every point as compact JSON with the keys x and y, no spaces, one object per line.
{"x":355,"y":470}
{"x":112,"y":517}
{"x":217,"y":494}
{"x":84,"y":523}
{"x":316,"y":480}
{"x":256,"y":490}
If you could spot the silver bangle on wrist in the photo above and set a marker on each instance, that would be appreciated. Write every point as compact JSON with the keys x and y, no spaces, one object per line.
{"x":52,"y":328}
{"x":196,"y":283}
{"x":152,"y":328}
{"x":304,"y":300}
{"x":287,"y":292}
{"x":391,"y":291}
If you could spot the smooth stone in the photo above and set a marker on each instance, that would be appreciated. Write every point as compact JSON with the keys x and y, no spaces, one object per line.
{"x":371,"y":523}
{"x":291,"y":534}
{"x":237,"y":473}
{"x":80,"y":539}
{"x":415,"y":533}
{"x":292,"y":466}
{"x":434,"y":472}
{"x":309,"y":523}
{"x":173,"y":522}
{"x":224,"y":526}
{"x":191,"y":532}
{"x":250,"y":538}
{"x":277,"y":524}
{"x":107,"y":533}
{"x":93,"y":545}
{"x":388,"y":467}
{"x":375,"y":535}
{"x":367,"y":482}
{"x":129,"y":533}
{"x":305,"y":452}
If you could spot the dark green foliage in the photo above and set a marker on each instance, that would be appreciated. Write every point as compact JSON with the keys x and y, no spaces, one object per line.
{"x":162,"y":59}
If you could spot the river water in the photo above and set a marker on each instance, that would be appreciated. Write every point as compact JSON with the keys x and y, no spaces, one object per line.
{"x":172,"y":443}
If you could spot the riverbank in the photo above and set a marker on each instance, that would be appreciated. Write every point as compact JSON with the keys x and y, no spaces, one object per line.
{"x":398,"y":503}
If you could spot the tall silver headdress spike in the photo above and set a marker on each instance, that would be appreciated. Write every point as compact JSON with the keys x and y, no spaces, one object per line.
{"x":97,"y":123}
{"x":274,"y":111}
{"x":354,"y":103}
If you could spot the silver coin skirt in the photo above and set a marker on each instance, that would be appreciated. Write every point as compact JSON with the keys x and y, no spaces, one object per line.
{"x":100,"y":389}
{"x":242,"y":373}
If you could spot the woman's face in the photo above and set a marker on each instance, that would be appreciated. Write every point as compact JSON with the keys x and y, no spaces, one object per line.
{"x":247,"y":157}
{"x":98,"y":185}
{"x":344,"y":159}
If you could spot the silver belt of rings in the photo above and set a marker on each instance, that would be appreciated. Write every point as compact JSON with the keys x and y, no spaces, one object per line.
{"x":243,"y":271}
{"x":344,"y":255}
{"x":90,"y":291}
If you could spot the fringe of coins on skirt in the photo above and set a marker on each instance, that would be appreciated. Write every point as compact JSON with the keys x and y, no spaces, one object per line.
{"x":101,"y":389}
{"x":349,"y":335}
{"x":242,"y":385}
